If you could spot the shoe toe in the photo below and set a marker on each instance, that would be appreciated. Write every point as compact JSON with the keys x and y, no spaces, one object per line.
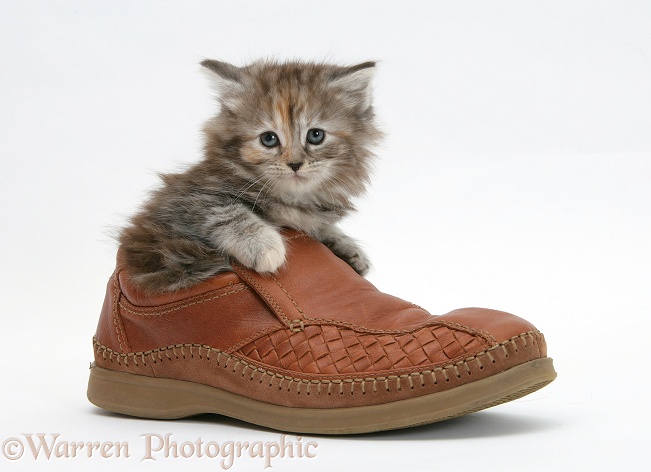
{"x":499,"y":325}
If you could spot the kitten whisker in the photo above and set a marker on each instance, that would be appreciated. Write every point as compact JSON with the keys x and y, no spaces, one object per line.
{"x":325,"y":185}
{"x":250,"y":183}
{"x":258,"y":196}
{"x":268,"y":189}
{"x":343,"y":186}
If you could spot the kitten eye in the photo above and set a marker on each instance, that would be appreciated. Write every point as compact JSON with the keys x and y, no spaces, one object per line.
{"x":315,"y":136}
{"x":269,"y":139}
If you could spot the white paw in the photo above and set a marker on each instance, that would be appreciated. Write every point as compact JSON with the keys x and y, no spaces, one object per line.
{"x":264,"y":253}
{"x":271,"y":256}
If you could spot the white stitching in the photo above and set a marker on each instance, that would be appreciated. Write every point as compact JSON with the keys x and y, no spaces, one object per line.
{"x":396,"y":379}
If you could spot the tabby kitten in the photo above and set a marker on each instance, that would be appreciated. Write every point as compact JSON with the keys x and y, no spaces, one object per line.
{"x":289,"y":148}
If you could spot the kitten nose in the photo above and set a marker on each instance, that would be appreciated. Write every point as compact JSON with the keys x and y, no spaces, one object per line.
{"x":295,"y":165}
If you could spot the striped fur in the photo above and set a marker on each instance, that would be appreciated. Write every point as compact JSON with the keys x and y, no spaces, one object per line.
{"x":231,"y":205}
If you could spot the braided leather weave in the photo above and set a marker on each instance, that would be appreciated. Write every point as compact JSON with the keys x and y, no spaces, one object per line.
{"x":331,"y":349}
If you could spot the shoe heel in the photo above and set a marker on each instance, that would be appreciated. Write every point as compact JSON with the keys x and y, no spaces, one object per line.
{"x":138,"y":395}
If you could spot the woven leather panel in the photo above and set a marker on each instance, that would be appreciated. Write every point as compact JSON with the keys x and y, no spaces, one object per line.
{"x":328,"y":349}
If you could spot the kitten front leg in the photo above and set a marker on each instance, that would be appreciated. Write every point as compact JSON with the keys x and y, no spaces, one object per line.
{"x":262,"y":249}
{"x":244,"y":236}
{"x":346,"y":248}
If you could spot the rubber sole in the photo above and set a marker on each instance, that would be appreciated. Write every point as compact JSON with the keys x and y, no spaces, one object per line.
{"x":150,"y":397}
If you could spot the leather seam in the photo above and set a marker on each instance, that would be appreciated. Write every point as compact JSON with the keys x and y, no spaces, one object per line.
{"x":117,"y":322}
{"x":208,"y":351}
{"x":244,"y":273}
{"x":296,"y":236}
{"x":254,"y":336}
{"x":141,"y":312}
{"x":290,"y":297}
{"x":361,"y":329}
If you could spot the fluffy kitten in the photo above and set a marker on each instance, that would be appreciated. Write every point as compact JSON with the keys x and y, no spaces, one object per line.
{"x":289,"y":148}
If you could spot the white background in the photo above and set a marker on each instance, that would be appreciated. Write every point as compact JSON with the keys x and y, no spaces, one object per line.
{"x":515,"y":176}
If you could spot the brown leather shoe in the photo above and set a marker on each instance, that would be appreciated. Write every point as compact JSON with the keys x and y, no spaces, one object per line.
{"x":314,"y":348}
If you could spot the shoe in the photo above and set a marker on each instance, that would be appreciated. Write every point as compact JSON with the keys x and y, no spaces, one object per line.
{"x":314,"y":348}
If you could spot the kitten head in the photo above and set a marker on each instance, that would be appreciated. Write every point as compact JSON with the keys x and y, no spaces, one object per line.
{"x":301,"y":131}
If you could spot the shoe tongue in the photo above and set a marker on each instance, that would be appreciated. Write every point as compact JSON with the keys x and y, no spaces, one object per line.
{"x":315,"y":286}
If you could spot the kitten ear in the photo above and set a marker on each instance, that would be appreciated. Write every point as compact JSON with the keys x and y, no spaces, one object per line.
{"x":356,"y":80}
{"x":225,"y":78}
{"x":223,"y":70}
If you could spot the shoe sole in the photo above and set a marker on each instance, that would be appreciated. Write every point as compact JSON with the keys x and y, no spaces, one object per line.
{"x":150,"y":397}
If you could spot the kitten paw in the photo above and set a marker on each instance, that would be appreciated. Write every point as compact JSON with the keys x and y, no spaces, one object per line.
{"x":359,"y":262}
{"x":346,"y":248}
{"x":270,"y":259}
{"x":263,"y":253}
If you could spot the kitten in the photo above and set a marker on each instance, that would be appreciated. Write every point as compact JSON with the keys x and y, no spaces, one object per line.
{"x":290,"y":147}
